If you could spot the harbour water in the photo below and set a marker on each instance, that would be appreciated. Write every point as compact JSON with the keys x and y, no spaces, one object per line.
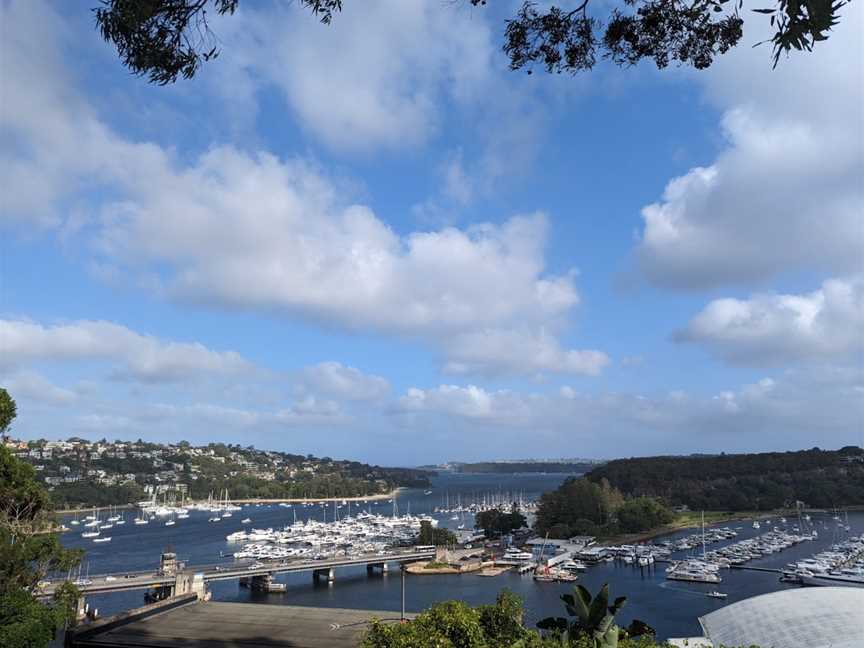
{"x":671,"y":607}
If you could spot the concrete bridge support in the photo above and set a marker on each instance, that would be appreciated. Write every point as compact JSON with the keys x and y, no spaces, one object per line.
{"x":81,"y":608}
{"x":261,"y":582}
{"x":371,"y":567}
{"x":190,"y":583}
{"x":329,"y":574}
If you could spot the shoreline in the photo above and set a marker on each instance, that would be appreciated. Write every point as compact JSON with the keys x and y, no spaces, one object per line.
{"x":690,"y":522}
{"x":252,"y":500}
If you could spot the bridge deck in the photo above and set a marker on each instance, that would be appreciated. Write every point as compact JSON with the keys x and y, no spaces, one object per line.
{"x":138,"y":580}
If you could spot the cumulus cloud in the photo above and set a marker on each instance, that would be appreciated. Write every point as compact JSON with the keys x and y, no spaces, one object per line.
{"x":790,"y":410}
{"x":785,"y":192}
{"x":343,"y":382}
{"x":34,"y":386}
{"x":823,"y":325}
{"x":373,"y":79}
{"x":501,"y":352}
{"x":244,"y":230}
{"x":133,"y":355}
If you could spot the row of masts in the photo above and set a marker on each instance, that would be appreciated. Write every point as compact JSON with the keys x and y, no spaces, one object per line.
{"x":484,"y":501}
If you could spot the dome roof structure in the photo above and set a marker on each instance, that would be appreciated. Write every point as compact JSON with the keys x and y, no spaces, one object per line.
{"x":812,"y":617}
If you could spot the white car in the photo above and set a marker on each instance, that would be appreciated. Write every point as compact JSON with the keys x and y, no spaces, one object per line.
{"x":110,"y":578}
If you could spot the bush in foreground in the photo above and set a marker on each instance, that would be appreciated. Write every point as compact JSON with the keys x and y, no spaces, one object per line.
{"x":453,"y":624}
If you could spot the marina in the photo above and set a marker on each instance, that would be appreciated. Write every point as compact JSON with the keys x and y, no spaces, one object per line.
{"x":199,"y":542}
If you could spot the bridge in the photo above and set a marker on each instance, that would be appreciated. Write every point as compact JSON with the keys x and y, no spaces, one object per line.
{"x":175,"y":579}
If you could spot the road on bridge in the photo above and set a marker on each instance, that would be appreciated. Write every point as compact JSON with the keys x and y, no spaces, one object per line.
{"x":123,"y":581}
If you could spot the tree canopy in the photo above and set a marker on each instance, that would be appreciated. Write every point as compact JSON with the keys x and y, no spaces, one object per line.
{"x":430,"y":535}
{"x":8,"y":412}
{"x":453,"y":623}
{"x":496,"y":522}
{"x":167,"y":39}
{"x":585,"y":507}
{"x":27,"y":553}
{"x":743,"y":482}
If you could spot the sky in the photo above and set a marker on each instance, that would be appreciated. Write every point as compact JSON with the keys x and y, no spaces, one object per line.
{"x":372,"y":240}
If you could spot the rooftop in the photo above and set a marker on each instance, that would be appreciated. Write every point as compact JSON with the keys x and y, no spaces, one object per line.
{"x":815,"y":617}
{"x":234,"y":625}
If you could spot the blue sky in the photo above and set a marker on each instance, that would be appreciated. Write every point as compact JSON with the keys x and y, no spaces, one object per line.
{"x":373,"y":240}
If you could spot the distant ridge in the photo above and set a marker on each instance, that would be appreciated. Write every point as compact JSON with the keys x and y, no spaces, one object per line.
{"x":567,"y":466}
{"x":743,"y":482}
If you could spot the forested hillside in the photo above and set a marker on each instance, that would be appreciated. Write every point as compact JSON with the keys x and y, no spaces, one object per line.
{"x":743,"y":482}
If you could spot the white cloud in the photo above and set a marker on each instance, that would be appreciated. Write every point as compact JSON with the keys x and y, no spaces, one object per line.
{"x":141,"y":357}
{"x":826,"y":324}
{"x":375,"y":78}
{"x":792,"y":410}
{"x":785,"y":193}
{"x":252,"y":231}
{"x":34,"y":386}
{"x":497,"y":351}
{"x":343,"y":382}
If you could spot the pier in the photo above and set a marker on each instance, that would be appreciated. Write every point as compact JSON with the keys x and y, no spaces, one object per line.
{"x":759,"y":569}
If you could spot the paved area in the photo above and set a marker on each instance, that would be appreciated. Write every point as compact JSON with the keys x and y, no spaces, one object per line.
{"x":240,"y":625}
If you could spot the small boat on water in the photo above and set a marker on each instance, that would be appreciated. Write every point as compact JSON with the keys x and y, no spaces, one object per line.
{"x":170,"y":522}
{"x":142,"y":521}
{"x":246,"y":521}
{"x":427,"y":492}
{"x":105,"y":539}
{"x":90,"y":534}
{"x":717,"y":595}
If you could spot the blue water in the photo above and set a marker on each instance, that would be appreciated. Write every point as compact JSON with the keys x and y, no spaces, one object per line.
{"x":670,"y":607}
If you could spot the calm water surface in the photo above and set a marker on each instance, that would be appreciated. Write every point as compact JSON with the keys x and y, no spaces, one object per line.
{"x":671,"y":607}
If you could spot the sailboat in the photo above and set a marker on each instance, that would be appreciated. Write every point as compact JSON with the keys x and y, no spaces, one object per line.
{"x":226,"y":513}
{"x":75,"y":522}
{"x":91,"y":534}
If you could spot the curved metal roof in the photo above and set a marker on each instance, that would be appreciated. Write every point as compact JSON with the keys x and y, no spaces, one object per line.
{"x":813,"y":617}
